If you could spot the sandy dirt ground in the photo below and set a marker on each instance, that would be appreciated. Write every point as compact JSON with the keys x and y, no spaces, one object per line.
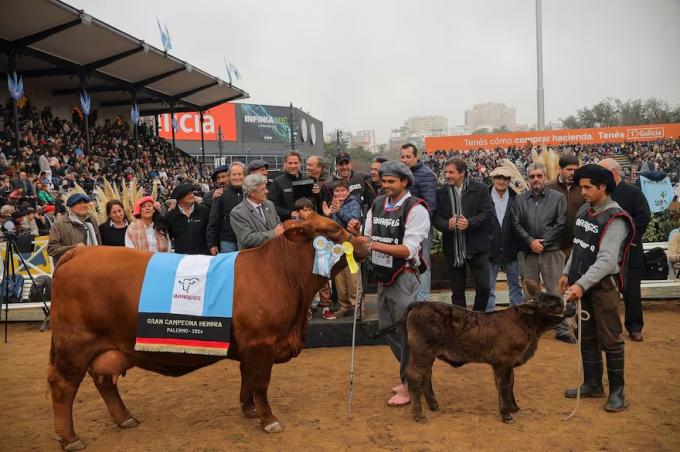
{"x":309,"y":395}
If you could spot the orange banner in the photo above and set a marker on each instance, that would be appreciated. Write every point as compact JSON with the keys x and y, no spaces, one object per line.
{"x":649,"y":132}
{"x":189,"y":124}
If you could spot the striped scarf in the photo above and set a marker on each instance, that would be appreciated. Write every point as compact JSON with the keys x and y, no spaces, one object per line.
{"x":458,"y":235}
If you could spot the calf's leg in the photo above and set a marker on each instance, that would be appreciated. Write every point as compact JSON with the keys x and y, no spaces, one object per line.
{"x":258,"y":362}
{"x":418,"y":370}
{"x":64,"y":382}
{"x":247,"y":398}
{"x":502,"y":376}
{"x":511,"y":391}
{"x":428,"y":391}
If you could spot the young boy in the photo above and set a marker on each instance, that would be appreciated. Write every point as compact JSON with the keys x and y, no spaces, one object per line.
{"x":343,"y":209}
{"x":305,"y":208}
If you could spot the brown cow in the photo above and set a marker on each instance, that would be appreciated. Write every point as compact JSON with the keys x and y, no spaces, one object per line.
{"x":504,"y":339}
{"x":94,"y":321}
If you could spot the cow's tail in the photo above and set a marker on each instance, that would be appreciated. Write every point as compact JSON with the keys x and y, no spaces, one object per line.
{"x":395,"y":325}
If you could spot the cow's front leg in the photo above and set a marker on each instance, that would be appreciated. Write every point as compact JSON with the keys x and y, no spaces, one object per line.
{"x":428,"y":391}
{"x":511,"y":391}
{"x":502,"y":379}
{"x":247,"y":400}
{"x":258,"y":362}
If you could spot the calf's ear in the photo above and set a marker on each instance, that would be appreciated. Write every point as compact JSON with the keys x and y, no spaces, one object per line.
{"x":532,"y":287}
{"x":298,"y":231}
{"x":527,"y":308}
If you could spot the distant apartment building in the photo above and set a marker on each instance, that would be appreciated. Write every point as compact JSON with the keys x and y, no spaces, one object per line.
{"x":427,"y":125}
{"x":364,"y":138}
{"x":490,"y":115}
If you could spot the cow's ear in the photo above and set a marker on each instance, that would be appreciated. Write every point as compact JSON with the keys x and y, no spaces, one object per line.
{"x":299,"y":231}
{"x":527,"y":308}
{"x":532,"y":287}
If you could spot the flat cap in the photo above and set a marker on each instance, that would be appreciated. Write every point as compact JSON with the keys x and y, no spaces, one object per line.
{"x":76,"y":198}
{"x":218,"y":170}
{"x":396,"y":169}
{"x":501,"y":171}
{"x":257,"y":164}
{"x":595,"y":173}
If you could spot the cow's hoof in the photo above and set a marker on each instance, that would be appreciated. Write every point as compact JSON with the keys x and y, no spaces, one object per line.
{"x":514,"y":409}
{"x":130,"y":423}
{"x":419,"y":418}
{"x":508,"y":419}
{"x":274,"y":427}
{"x":75,"y":445}
{"x":433,"y":406}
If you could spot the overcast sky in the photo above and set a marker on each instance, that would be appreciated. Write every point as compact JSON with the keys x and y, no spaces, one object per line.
{"x":370,"y":64}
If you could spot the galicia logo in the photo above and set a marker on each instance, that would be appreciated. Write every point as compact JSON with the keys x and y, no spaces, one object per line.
{"x":187,"y":283}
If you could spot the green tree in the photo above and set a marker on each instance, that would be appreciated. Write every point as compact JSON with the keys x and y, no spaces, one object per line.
{"x":482,"y":131}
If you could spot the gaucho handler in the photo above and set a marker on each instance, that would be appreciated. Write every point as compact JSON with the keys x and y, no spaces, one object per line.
{"x":602,"y":236}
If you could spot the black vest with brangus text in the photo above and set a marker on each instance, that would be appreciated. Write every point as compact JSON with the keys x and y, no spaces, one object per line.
{"x":589,"y":229}
{"x":389,"y":226}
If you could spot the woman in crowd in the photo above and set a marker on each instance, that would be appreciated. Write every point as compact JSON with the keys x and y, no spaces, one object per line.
{"x":147,"y":232}
{"x":114,"y":228}
{"x":44,"y":196}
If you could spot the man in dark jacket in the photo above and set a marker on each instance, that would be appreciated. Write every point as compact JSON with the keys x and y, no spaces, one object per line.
{"x":631,"y":199}
{"x":187,"y":222}
{"x":281,"y":190}
{"x":539,"y":216}
{"x":321,"y":190}
{"x":425,"y":188}
{"x":219,"y":234}
{"x":463,"y":215}
{"x":376,"y":182}
{"x":564,"y":183}
{"x":220,"y":178}
{"x":504,"y":246}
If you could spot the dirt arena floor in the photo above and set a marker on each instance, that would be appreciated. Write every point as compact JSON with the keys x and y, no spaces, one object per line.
{"x":309,"y":395}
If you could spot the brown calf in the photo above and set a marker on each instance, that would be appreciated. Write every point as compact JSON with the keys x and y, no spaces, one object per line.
{"x":504,"y":339}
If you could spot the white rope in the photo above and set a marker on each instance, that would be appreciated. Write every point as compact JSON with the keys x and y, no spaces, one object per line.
{"x":354,"y":335}
{"x":580,"y":315}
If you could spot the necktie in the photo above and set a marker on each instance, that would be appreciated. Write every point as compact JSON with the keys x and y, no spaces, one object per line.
{"x":259,"y":209}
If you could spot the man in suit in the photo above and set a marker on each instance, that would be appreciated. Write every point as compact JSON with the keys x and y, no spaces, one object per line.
{"x":255,"y":220}
{"x":631,"y":199}
{"x":464,"y":213}
{"x":504,"y":242}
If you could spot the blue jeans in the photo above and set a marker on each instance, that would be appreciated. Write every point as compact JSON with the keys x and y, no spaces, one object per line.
{"x":512,"y":273}
{"x":426,"y":278}
{"x":228,"y":247}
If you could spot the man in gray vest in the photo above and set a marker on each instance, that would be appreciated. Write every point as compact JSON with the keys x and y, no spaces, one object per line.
{"x":396,"y":226}
{"x":603,"y":234}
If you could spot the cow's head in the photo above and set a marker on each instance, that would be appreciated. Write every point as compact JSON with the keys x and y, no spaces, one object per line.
{"x":306,"y":230}
{"x":549,"y":309}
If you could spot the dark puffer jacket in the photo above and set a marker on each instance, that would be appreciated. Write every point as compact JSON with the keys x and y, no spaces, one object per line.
{"x":425,"y":186}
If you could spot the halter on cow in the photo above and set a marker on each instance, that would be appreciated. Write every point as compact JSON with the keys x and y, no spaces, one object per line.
{"x":96,"y":292}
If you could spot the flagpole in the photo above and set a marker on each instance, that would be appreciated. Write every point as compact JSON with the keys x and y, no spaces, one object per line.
{"x":87,"y":116}
{"x":202,"y":147}
{"x":172,"y":123}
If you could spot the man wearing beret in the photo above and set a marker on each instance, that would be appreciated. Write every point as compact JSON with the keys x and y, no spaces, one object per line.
{"x":220,"y":178}
{"x":396,"y":226}
{"x":75,"y":228}
{"x":603,"y":234}
{"x":187,"y":223}
{"x":259,"y":167}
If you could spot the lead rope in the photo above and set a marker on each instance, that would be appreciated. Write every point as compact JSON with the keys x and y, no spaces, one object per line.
{"x":580,"y":315}
{"x":354,"y":335}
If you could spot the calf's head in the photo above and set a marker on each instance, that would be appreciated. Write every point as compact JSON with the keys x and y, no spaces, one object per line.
{"x":306,"y":230}
{"x":546,"y":308}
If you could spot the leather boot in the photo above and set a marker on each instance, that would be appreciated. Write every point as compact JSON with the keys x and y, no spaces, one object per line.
{"x":616,"y":401}
{"x":592,"y":376}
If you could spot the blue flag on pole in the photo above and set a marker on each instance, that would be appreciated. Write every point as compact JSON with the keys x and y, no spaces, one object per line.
{"x":16,"y":85}
{"x":85,"y":102}
{"x":659,"y":193}
{"x":134,"y":114}
{"x":165,"y":36}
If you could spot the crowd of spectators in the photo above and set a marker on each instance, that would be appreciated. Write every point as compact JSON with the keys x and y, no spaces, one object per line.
{"x":661,"y":155}
{"x":53,"y":157}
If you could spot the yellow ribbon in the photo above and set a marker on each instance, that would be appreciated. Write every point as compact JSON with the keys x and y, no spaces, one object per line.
{"x":349,"y":255}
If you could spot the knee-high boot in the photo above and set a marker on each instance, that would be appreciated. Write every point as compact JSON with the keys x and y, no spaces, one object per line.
{"x":616,"y":400}
{"x":592,"y":374}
